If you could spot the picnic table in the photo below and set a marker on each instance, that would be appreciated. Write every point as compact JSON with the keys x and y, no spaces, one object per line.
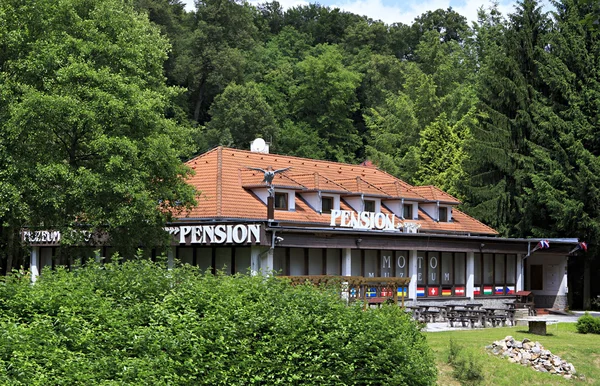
{"x":467,"y":314}
{"x":496,"y":315}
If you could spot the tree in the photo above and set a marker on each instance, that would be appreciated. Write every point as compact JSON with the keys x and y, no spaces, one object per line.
{"x":325,"y":98}
{"x":223,"y":36}
{"x":510,"y":92}
{"x":239,"y":115}
{"x":566,"y":180}
{"x":84,"y":132}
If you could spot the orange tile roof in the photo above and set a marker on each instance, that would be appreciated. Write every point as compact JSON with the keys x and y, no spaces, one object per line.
{"x":402,"y":190}
{"x":357,"y":185}
{"x":315,"y":181}
{"x":435,"y":194}
{"x":224,"y":180}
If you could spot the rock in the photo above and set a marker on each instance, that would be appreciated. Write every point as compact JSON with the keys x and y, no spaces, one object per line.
{"x":567,"y":376}
{"x":526,"y":340}
{"x":508,"y":338}
{"x":526,"y":346}
{"x":519,"y":345}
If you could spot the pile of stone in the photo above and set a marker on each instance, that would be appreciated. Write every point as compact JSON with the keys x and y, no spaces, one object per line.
{"x":532,"y":354}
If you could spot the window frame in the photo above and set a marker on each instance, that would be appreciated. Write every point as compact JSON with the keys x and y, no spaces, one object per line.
{"x":505,"y":282}
{"x":370,"y":202}
{"x":330,"y":199}
{"x":409,"y":211}
{"x":286,"y":201}
{"x":445,"y":211}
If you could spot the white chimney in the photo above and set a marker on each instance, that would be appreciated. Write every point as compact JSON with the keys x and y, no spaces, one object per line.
{"x":259,"y":146}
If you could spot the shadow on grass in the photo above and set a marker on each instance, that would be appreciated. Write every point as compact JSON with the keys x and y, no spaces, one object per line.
{"x":529,"y":332}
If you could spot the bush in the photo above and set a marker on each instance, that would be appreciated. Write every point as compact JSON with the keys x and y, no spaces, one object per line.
{"x":468,"y":368}
{"x":136,"y":323}
{"x":587,"y":324}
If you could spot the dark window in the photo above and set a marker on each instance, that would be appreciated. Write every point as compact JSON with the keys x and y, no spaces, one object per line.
{"x":441,"y":274}
{"x":495,"y":274}
{"x":281,"y":201}
{"x":326,"y":204}
{"x":443,"y":214}
{"x":408,"y":211}
{"x":369,"y":206}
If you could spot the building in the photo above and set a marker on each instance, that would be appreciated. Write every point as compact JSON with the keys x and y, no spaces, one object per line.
{"x":330,"y":218}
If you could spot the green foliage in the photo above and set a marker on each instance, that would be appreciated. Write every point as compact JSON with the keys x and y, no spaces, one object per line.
{"x":239,"y":115}
{"x":137,"y":323}
{"x":89,"y":130}
{"x":587,"y":324}
{"x":468,"y":368}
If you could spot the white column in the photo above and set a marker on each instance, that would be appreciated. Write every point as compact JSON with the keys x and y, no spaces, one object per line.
{"x":346,"y":262}
{"x":34,"y":263}
{"x":254,"y":259}
{"x":266,"y":262}
{"x":413,"y":264}
{"x":519,"y":269}
{"x":470,"y":275}
{"x":171,"y":257}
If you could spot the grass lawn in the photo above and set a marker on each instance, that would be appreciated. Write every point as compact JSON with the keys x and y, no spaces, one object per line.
{"x":583,"y":351}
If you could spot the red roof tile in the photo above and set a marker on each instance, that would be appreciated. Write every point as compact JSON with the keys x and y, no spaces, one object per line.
{"x":433,"y":193}
{"x":222,"y":175}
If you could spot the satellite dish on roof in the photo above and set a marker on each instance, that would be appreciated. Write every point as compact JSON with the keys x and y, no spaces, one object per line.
{"x":259,"y":146}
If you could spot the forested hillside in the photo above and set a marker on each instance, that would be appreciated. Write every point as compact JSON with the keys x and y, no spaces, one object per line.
{"x":503,"y":113}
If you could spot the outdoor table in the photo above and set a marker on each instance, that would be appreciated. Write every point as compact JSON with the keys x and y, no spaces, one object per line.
{"x":467,"y":315}
{"x":473,"y":305}
{"x":494,"y":317}
{"x":511,"y":305}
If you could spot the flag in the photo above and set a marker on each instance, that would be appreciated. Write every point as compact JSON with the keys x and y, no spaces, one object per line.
{"x":386,"y":292}
{"x":476,"y":290}
{"x":542,"y":244}
{"x":487,"y":290}
{"x":420,"y":292}
{"x":402,"y":291}
{"x":353,"y":292}
{"x":499,"y":291}
{"x":581,"y":246}
{"x":371,"y":292}
{"x":433,"y":291}
{"x":460,"y":291}
{"x":510,"y":290}
{"x":446,"y":292}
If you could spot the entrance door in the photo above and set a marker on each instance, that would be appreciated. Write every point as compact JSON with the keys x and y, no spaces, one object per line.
{"x":552,"y":277}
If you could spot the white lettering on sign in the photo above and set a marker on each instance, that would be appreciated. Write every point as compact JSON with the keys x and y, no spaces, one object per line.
{"x":363,"y":220}
{"x":447,"y":276}
{"x":217,"y":234}
{"x":386,"y":262}
{"x":49,"y":237}
{"x":433,"y":262}
{"x":401,"y":261}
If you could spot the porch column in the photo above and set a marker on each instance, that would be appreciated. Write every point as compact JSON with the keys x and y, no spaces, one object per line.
{"x":470,"y":274}
{"x":34,"y":263}
{"x":171,"y":257}
{"x":519,"y":270}
{"x":413,"y":265}
{"x":254,"y":259}
{"x":266,"y":262}
{"x":346,"y":262}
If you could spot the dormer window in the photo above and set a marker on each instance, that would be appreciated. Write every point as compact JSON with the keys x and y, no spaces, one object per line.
{"x":443,"y":214}
{"x":281,"y":201}
{"x":408,"y":211}
{"x":326,"y":204}
{"x":369,"y":206}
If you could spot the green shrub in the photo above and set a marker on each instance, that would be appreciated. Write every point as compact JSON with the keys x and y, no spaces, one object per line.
{"x":468,"y":368}
{"x":587,"y":324}
{"x":137,"y":323}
